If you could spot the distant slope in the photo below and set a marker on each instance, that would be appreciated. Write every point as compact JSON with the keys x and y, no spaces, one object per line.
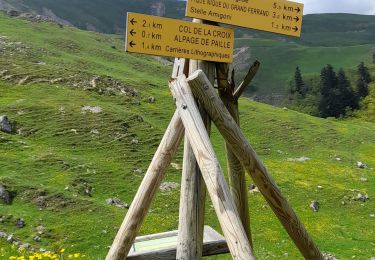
{"x":48,"y":77}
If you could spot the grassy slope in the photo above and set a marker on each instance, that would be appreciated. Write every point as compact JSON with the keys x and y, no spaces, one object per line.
{"x":55,"y":157}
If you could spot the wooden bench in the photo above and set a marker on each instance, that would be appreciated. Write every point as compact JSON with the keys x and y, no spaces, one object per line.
{"x":164,"y":245}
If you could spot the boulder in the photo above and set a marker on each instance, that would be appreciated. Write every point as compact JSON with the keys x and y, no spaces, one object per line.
{"x":6,"y":125}
{"x":5,"y":195}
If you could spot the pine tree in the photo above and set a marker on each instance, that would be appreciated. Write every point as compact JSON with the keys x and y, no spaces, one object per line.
{"x":362,"y":88}
{"x":300,"y":86}
{"x":328,"y":81}
{"x":347,"y":96}
{"x":364,"y":78}
{"x":363,"y":73}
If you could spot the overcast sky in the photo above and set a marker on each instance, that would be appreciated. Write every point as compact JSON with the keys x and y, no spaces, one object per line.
{"x":339,"y":6}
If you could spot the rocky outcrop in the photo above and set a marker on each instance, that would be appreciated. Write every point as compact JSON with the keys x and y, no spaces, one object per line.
{"x":6,"y":125}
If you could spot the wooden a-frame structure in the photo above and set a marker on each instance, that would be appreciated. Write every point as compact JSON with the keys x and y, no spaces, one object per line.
{"x":197,"y":104}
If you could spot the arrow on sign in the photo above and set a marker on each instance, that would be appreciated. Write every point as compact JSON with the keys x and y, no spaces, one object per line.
{"x":133,"y":21}
{"x":132,"y":44}
{"x":295,"y":28}
{"x":298,"y":9}
{"x":132,"y":32}
{"x":295,"y":18}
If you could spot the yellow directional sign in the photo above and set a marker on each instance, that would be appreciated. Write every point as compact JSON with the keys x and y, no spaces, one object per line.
{"x":277,"y":16}
{"x":168,"y":37}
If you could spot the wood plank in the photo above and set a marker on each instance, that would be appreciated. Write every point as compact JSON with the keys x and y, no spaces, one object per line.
{"x":193,"y":190}
{"x":214,"y":244}
{"x":231,"y":132}
{"x":211,"y":171}
{"x":236,"y":173}
{"x":146,"y":192}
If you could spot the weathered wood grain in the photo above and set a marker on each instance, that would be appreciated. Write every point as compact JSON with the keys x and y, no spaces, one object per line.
{"x":146,"y":192}
{"x":206,"y":94}
{"x":211,"y":171}
{"x":180,"y":67}
{"x":193,"y":190}
{"x":236,"y":173}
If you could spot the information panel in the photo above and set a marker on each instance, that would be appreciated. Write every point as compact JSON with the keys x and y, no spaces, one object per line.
{"x":283,"y":17}
{"x":168,"y":37}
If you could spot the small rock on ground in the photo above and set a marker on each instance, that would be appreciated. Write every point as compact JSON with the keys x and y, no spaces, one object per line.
{"x":176,"y":166}
{"x":361,"y":165}
{"x":363,"y":179}
{"x":151,"y":100}
{"x":300,"y":159}
{"x":315,"y":205}
{"x":117,"y":202}
{"x":10,"y":239}
{"x":20,"y":223}
{"x":94,"y":110}
{"x":329,"y":256}
{"x":363,"y":198}
{"x":37,"y":238}
{"x":168,"y":186}
{"x":253,"y":189}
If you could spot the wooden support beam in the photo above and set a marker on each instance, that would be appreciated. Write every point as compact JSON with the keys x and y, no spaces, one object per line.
{"x":206,"y":94}
{"x":248,"y":78}
{"x":193,"y":189}
{"x":146,"y":192}
{"x":213,"y":176}
{"x":236,"y":173}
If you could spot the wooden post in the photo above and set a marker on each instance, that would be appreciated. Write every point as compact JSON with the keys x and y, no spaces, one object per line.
{"x":146,"y":192}
{"x":193,"y":190}
{"x":206,"y":94}
{"x":236,"y":173}
{"x":213,"y":176}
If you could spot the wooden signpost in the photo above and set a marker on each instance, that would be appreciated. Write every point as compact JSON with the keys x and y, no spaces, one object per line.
{"x":168,"y":37}
{"x":202,"y":43}
{"x":277,"y":16}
